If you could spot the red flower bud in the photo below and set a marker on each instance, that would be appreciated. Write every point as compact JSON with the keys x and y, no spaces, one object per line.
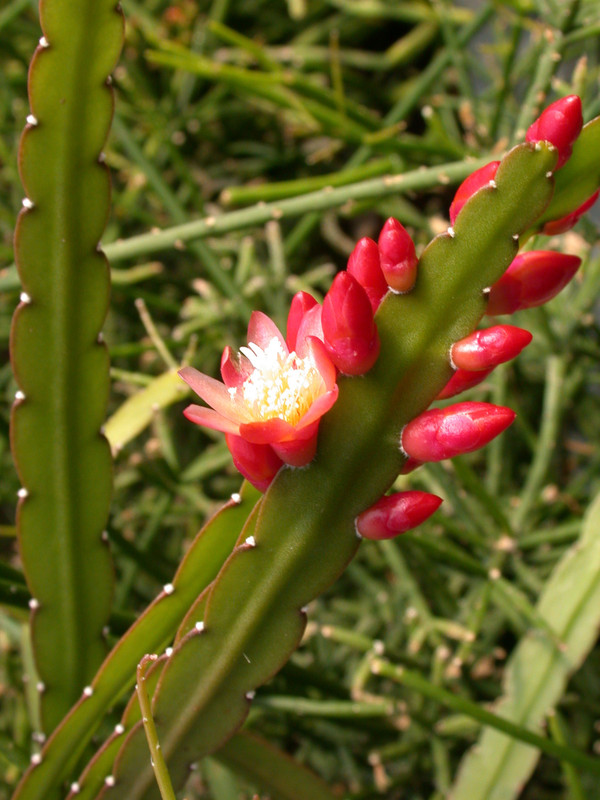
{"x":556,"y":226}
{"x":397,"y":256}
{"x":532,"y":279}
{"x":444,"y":433}
{"x":488,"y":348}
{"x":462,"y":380}
{"x":396,"y":513}
{"x":476,"y":181}
{"x":301,"y":303}
{"x":349,"y":328}
{"x":257,"y":462}
{"x":559,"y":124}
{"x":363,"y":265}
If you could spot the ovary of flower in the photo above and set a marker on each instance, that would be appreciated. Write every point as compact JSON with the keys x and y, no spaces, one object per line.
{"x":281,"y":385}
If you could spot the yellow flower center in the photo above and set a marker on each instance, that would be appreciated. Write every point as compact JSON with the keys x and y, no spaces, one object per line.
{"x":281,"y":385}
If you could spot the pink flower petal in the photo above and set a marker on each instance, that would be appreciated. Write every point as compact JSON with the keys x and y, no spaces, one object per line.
{"x":317,"y":353}
{"x":269,"y":431}
{"x":234,"y":370}
{"x":210,"y":419}
{"x":262,"y":330}
{"x":310,"y":326}
{"x":215,"y":393}
{"x":320,"y":406}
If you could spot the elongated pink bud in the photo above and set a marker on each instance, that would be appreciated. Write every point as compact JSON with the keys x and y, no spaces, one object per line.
{"x":476,"y":181}
{"x":397,"y":256}
{"x":560,"y":124}
{"x":489,"y":347}
{"x":364,"y":265}
{"x":349,"y":327}
{"x":301,"y":303}
{"x":447,"y":432}
{"x":532,"y":279}
{"x":462,"y":380}
{"x":556,"y":226}
{"x":396,"y":513}
{"x":257,"y":462}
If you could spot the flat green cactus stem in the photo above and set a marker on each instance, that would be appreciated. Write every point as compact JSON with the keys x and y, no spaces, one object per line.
{"x":61,"y":367}
{"x":304,"y":534}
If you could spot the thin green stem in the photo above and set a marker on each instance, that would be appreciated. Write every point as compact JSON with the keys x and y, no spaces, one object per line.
{"x":413,"y":680}
{"x":546,"y":445}
{"x":163,"y":779}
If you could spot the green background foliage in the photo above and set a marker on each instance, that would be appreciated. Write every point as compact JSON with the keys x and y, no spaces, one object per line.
{"x":257,"y":137}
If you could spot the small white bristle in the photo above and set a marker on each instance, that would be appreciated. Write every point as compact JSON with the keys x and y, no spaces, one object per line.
{"x":31,"y":120}
{"x":88,"y":691}
{"x":168,"y":588}
{"x":33,"y":604}
{"x":27,"y":203}
{"x":119,"y":729}
{"x":250,"y":541}
{"x":22,"y":493}
{"x":44,"y":42}
{"x":75,"y":788}
{"x":24,"y":297}
{"x":199,"y":626}
{"x":110,"y":780}
{"x":237,"y":498}
{"x":19,"y":395}
{"x":451,"y":233}
{"x":169,"y":652}
{"x":36,"y":759}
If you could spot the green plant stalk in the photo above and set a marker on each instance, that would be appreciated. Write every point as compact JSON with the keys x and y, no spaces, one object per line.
{"x":291,"y":207}
{"x":254,"y":614}
{"x":60,"y":364}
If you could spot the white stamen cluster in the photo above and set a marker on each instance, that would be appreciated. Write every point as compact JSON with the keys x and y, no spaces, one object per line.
{"x":281,"y":384}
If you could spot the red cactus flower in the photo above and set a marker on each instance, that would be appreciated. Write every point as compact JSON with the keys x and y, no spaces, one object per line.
{"x":396,"y":513}
{"x":532,"y":279}
{"x":476,"y":181}
{"x":447,"y":432}
{"x":397,"y":256}
{"x":349,"y":329}
{"x":560,"y":124}
{"x":270,"y":396}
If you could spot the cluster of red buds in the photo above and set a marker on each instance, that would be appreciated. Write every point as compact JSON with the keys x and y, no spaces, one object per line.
{"x":275,"y":391}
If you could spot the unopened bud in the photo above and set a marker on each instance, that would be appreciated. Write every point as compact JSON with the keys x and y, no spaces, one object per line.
{"x":444,"y":433}
{"x":560,"y":124}
{"x":488,"y":348}
{"x":461,"y":381}
{"x":396,"y":513}
{"x":556,"y":226}
{"x":397,"y":256}
{"x":363,"y":265}
{"x":476,"y":181}
{"x":301,"y":303}
{"x":349,"y":328}
{"x":257,"y":462}
{"x":533,"y":278}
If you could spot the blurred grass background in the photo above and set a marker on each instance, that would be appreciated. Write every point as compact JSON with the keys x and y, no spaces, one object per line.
{"x":228,"y":105}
